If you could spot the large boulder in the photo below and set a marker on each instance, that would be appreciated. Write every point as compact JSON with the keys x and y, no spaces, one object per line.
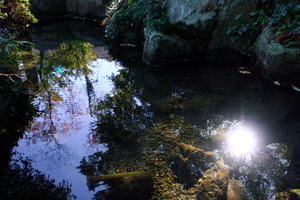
{"x":205,"y":23}
{"x":161,"y":49}
{"x":278,"y":61}
{"x":186,"y":15}
{"x":231,"y":13}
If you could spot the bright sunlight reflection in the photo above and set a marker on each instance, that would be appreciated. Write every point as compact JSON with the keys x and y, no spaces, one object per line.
{"x":241,"y":141}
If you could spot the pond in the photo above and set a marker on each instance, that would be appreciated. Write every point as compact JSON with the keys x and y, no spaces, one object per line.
{"x":108,"y":126}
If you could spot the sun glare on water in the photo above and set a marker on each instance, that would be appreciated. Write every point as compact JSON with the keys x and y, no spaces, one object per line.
{"x":241,"y":141}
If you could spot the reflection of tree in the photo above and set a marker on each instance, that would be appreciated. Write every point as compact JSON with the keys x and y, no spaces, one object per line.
{"x":60,"y":117}
{"x":90,"y":93}
{"x":120,"y":114}
{"x":22,"y":181}
{"x":56,"y":67}
{"x":51,"y":125}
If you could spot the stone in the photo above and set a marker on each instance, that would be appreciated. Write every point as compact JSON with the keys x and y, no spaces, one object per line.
{"x":186,"y":15}
{"x":218,"y":176}
{"x":235,"y":190}
{"x":278,"y":61}
{"x":160,"y":48}
{"x":207,"y":190}
{"x":221,"y":45}
{"x":295,"y":193}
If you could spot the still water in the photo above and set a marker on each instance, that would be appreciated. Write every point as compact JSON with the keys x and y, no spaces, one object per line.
{"x":115,"y":128}
{"x":58,"y":152}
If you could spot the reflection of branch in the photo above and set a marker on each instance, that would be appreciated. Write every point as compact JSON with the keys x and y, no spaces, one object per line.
{"x":9,"y":76}
{"x":57,"y":155}
{"x":50,"y":109}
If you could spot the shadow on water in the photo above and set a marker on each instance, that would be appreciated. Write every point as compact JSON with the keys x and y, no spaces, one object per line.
{"x":165,"y":130}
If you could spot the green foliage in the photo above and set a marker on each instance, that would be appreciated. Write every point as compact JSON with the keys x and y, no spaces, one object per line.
{"x":11,"y":53}
{"x":17,"y":13}
{"x":284,"y":18}
{"x":14,"y":18}
{"x":128,"y":17}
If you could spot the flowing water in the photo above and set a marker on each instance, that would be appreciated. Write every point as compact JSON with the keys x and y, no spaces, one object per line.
{"x":110,"y":127}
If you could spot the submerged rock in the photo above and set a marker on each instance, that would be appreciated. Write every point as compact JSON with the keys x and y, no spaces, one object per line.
{"x":235,"y":190}
{"x":295,"y":193}
{"x":128,"y":175}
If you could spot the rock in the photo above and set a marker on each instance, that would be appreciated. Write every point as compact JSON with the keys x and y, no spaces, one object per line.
{"x":283,"y":195}
{"x":218,"y":176}
{"x":277,"y":60}
{"x":160,"y":48}
{"x":214,"y":183}
{"x":295,"y":193}
{"x":226,"y":17}
{"x":186,"y":15}
{"x":235,"y":190}
{"x":208,"y":191}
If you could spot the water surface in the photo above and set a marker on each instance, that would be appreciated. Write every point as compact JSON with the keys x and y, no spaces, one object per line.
{"x":116,"y":128}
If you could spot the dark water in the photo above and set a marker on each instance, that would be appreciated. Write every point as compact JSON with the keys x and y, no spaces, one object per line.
{"x":112,"y":127}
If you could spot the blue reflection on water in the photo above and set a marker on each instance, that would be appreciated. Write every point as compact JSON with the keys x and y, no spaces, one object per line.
{"x":58,"y":154}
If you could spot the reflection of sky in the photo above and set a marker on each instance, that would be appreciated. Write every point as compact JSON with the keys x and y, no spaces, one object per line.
{"x":60,"y":154}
